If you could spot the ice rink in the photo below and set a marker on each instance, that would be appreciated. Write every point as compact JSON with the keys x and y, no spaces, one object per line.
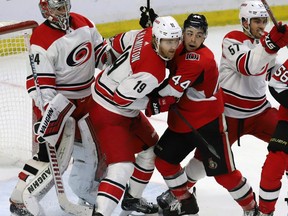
{"x":213,"y":200}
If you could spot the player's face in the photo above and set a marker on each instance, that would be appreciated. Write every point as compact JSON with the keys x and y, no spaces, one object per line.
{"x":167,"y":47}
{"x":257,"y":26}
{"x":193,"y":38}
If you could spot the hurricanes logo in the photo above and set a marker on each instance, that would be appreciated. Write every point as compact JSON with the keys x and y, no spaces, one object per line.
{"x":212,"y":164}
{"x":80,"y":54}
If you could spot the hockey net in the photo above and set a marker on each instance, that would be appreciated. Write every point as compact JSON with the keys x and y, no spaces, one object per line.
{"x":16,"y":137}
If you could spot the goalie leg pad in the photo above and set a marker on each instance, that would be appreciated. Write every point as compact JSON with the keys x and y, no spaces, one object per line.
{"x":81,"y":178}
{"x":35,"y":180}
{"x":86,"y":157}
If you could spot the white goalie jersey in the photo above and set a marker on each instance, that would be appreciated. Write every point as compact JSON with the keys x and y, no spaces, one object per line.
{"x":65,"y":61}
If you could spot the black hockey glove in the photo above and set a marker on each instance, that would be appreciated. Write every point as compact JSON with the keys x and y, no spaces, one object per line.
{"x":157,"y":105}
{"x":279,"y":139}
{"x":42,"y":154}
{"x":147,"y":17}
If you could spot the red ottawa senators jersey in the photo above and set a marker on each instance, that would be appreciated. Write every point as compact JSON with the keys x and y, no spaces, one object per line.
{"x":195,"y":75}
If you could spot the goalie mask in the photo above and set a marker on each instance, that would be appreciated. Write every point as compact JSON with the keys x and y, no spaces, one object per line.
{"x":165,"y":28}
{"x":56,"y":12}
{"x":249,"y":10}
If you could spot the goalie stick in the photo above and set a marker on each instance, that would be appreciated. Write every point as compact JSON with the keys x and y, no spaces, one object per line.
{"x":64,"y":203}
{"x":199,"y":136}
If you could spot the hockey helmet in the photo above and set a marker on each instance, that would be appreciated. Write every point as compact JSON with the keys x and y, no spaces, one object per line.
{"x":197,"y":21}
{"x":252,"y":9}
{"x":165,"y":27}
{"x":56,"y":11}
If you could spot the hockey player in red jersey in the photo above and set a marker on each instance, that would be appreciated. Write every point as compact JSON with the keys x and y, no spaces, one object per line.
{"x":120,"y":93}
{"x":247,"y":59}
{"x":65,"y":48}
{"x":194,"y":80}
{"x":277,"y":159}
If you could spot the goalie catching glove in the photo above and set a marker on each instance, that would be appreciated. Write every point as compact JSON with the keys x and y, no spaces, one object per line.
{"x":276,"y":39}
{"x":157,"y":105}
{"x":147,"y":17}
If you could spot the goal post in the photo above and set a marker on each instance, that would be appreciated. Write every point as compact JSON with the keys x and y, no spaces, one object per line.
{"x":16,"y":118}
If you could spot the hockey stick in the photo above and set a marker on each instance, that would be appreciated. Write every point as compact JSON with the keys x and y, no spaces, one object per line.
{"x":271,"y":15}
{"x":148,"y":8}
{"x":269,"y":11}
{"x":199,"y":136}
{"x":148,"y":4}
{"x":64,"y":203}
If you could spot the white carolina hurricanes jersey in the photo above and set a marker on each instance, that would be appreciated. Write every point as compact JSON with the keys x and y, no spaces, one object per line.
{"x":122,"y":87}
{"x":244,"y":69}
{"x":279,"y":80}
{"x":65,"y":61}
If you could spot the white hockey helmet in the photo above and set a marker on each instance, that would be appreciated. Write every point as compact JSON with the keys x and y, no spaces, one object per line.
{"x":56,"y":11}
{"x":252,"y":9}
{"x":165,"y":27}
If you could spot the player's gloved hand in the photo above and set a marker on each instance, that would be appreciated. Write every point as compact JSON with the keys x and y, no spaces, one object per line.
{"x":147,"y":17}
{"x":276,"y":39}
{"x":38,"y":138}
{"x":42,"y":154}
{"x":159,"y":104}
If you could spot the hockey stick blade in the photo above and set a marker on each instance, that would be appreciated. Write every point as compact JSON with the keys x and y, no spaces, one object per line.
{"x":64,"y":203}
{"x":74,"y":209}
{"x":204,"y":142}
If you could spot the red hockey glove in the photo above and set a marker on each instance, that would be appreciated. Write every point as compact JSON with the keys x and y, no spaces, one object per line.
{"x":147,"y":17}
{"x":157,"y":105}
{"x":276,"y":39}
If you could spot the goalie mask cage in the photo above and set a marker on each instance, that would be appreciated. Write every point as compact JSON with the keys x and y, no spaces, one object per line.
{"x":16,"y":136}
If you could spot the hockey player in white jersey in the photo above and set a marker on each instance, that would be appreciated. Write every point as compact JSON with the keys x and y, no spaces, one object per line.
{"x":120,"y":92}
{"x":65,"y":48}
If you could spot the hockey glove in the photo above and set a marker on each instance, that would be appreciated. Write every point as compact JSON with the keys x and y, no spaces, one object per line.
{"x":147,"y":17}
{"x":42,"y":154}
{"x":157,"y":105}
{"x":276,"y":39}
{"x":279,"y":138}
{"x":38,"y":138}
